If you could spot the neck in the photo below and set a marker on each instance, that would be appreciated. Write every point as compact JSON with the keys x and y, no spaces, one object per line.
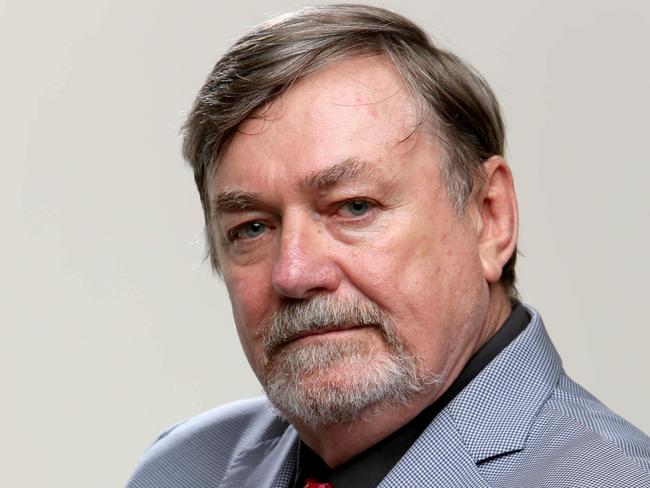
{"x":338,"y":443}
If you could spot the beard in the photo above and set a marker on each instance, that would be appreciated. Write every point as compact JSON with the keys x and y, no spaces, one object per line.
{"x":333,"y":381}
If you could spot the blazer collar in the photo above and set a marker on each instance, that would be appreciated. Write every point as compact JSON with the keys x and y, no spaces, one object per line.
{"x":490,"y":417}
{"x":438,"y":459}
{"x":493,"y":415}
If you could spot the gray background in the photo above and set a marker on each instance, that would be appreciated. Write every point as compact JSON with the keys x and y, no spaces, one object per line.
{"x":113,"y":328}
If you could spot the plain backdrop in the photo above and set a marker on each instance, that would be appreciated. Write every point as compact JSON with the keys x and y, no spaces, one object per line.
{"x":113,"y":327}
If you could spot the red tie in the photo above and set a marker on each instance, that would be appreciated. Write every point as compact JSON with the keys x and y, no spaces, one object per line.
{"x":312,"y":483}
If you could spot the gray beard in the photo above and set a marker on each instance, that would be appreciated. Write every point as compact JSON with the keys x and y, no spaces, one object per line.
{"x":335,"y":381}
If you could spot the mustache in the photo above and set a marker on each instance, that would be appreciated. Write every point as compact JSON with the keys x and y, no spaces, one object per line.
{"x":298,"y":318}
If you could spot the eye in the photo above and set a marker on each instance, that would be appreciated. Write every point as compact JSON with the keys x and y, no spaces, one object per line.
{"x":356,"y":208}
{"x":248,"y":230}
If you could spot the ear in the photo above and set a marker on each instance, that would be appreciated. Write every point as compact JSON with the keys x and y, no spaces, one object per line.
{"x":497,"y":218}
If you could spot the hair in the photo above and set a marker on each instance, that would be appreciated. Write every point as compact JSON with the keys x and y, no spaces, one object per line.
{"x":359,"y":381}
{"x":263,"y":64}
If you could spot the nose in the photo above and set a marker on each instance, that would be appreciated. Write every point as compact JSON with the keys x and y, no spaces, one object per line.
{"x":303,"y":265}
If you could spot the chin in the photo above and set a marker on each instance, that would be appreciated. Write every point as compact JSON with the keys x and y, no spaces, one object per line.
{"x":330,"y":382}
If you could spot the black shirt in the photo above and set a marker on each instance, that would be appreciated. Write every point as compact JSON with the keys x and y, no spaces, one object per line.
{"x":367,"y":469}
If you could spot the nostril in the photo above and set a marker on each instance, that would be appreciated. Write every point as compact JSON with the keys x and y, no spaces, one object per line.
{"x":299,"y":280}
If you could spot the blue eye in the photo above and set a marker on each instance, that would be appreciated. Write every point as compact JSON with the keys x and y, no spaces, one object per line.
{"x":249,"y":230}
{"x":357,"y":207}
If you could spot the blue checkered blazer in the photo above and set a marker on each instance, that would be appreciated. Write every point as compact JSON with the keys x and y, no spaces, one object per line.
{"x":520,"y":423}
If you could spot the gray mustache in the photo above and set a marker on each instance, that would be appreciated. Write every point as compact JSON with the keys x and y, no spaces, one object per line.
{"x":321,"y":312}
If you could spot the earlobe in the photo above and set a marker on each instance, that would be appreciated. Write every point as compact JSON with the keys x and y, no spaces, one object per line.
{"x":497,"y":219}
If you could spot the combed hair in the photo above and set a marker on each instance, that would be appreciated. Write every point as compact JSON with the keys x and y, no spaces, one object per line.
{"x":263,"y":64}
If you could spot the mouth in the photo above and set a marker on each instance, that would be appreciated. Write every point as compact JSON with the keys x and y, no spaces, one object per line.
{"x":332,"y":332}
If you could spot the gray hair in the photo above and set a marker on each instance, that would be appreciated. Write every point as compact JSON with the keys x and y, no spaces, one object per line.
{"x":267,"y":61}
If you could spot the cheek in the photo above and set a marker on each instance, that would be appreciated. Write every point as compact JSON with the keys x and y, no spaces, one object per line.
{"x":406,"y":264}
{"x":249,"y":306}
{"x":422,"y":277}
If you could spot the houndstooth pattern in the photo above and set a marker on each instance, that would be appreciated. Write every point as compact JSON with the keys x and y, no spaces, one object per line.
{"x":520,"y":423}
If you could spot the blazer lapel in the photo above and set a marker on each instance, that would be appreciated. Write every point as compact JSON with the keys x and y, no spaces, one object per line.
{"x":438,"y":459}
{"x":494,"y":414}
{"x":491,"y":417}
{"x":269,"y":464}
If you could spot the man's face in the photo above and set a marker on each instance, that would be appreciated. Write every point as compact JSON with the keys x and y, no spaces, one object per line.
{"x":338,"y":246}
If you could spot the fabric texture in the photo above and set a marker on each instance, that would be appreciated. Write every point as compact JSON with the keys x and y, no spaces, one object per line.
{"x":520,"y":423}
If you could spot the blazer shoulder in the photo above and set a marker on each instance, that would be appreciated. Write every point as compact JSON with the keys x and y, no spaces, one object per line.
{"x":580,"y":407}
{"x":575,"y":441}
{"x":204,"y":446}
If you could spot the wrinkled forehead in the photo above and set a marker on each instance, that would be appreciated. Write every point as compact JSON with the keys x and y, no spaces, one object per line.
{"x":368,"y":89}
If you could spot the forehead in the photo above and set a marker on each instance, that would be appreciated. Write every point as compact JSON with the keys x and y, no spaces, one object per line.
{"x":357,"y":108}
{"x":370,"y":84}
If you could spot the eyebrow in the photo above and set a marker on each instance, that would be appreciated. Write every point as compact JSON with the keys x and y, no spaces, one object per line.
{"x":231,"y":200}
{"x":349,"y":170}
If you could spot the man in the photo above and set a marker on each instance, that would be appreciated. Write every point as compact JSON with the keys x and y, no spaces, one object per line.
{"x":362,"y":216}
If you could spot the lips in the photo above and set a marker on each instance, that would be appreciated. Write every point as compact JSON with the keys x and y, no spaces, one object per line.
{"x":324,"y":330}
